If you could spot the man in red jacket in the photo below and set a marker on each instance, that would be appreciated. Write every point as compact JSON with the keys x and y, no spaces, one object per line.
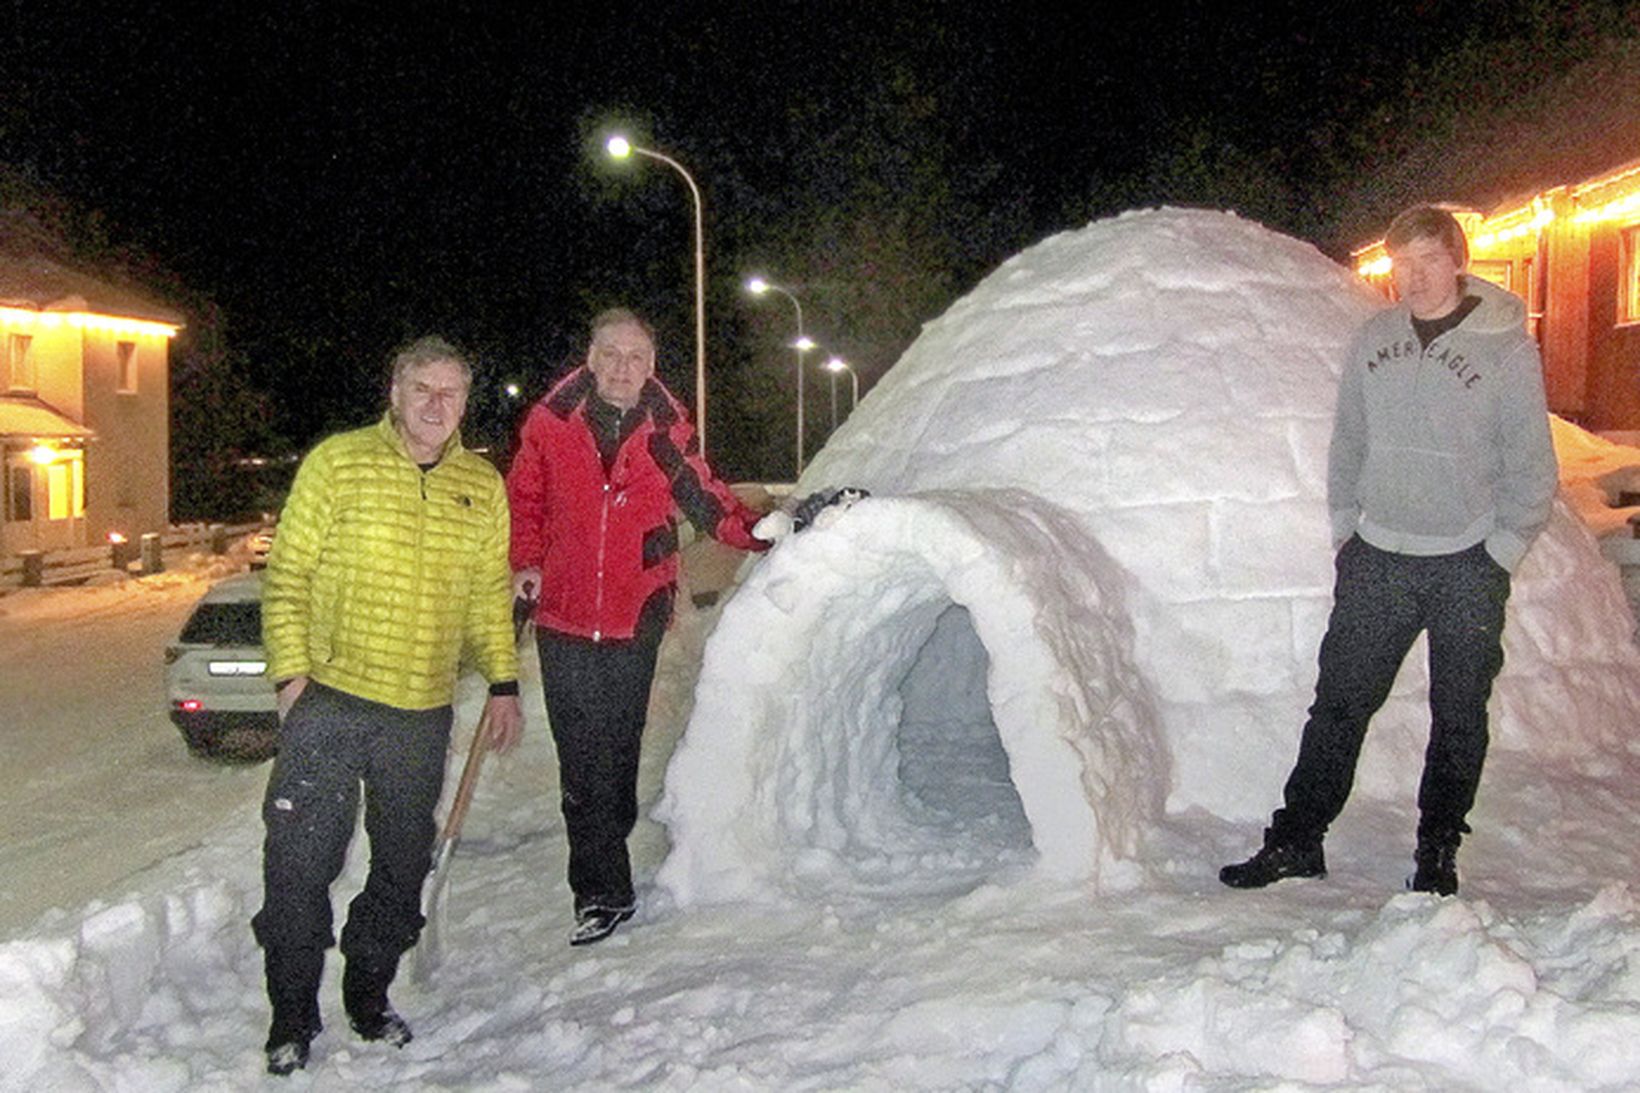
{"x":606,"y":463}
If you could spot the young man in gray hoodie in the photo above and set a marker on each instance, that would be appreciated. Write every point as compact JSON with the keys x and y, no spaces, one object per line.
{"x":1440,"y":475}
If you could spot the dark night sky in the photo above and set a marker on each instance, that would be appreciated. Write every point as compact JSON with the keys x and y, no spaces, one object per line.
{"x":337,"y":177}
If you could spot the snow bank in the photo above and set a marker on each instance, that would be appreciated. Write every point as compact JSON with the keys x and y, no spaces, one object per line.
{"x":1157,"y":389}
{"x":145,"y":981}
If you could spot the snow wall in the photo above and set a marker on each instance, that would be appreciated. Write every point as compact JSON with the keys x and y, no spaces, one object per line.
{"x":1106,"y":464}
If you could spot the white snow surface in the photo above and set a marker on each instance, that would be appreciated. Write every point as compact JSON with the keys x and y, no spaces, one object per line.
{"x":938,"y":820}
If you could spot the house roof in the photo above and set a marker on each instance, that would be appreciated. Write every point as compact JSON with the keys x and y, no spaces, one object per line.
{"x":32,"y":419}
{"x":38,"y":283}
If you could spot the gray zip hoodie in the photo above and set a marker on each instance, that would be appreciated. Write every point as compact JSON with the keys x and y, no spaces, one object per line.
{"x":1436,"y":449}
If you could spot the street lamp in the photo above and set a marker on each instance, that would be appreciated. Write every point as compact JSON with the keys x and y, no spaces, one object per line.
{"x":620,"y":148}
{"x":757,"y":286}
{"x":834,"y":366}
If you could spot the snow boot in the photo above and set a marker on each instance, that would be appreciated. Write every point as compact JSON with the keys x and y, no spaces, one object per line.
{"x":365,"y":980}
{"x":288,"y":1057}
{"x":1437,"y":864}
{"x":1277,"y":859}
{"x":293,"y":989}
{"x":595,"y":922}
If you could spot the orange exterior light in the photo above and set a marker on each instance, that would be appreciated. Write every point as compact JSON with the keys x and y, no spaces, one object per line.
{"x":116,"y":537}
{"x":1628,"y":204}
{"x":88,"y":320}
{"x":42,"y":454}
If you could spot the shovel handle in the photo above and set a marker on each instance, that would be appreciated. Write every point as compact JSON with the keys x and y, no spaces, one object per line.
{"x":469,"y":779}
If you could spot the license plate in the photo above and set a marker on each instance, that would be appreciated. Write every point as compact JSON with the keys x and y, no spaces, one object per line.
{"x":238,"y":667}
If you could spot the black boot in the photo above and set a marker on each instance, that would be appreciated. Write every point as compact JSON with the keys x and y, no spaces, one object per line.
{"x":1278,"y":859}
{"x":1437,"y":863}
{"x":597,"y":921}
{"x":365,"y":980}
{"x":293,"y":989}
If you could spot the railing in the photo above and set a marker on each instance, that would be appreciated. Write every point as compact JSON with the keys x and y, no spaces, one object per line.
{"x":77,"y":564}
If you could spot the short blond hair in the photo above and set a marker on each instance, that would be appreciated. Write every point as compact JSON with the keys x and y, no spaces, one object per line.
{"x":430,"y":349}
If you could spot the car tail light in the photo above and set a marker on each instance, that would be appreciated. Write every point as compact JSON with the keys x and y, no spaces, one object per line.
{"x":190,"y":705}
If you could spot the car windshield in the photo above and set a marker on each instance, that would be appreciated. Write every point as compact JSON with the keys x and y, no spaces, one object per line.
{"x":225,"y":624}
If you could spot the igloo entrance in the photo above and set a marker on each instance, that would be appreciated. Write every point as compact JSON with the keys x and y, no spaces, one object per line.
{"x":858,"y":658}
{"x":952,"y":765}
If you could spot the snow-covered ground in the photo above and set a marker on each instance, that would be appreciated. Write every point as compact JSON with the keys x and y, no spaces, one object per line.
{"x":936,"y":824}
{"x":100,"y":785}
{"x":933,"y":978}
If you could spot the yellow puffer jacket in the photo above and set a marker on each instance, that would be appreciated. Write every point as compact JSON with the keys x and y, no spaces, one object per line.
{"x":381,"y":575}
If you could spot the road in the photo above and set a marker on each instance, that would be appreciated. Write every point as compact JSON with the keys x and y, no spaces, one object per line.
{"x":100,"y":785}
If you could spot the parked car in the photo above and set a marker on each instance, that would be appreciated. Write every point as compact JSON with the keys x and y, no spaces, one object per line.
{"x":216,"y":675}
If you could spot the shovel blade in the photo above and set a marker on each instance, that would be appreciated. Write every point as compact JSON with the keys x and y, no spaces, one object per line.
{"x":429,"y":952}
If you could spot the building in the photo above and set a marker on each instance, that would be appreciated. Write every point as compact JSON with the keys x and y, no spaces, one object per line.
{"x":84,"y":407}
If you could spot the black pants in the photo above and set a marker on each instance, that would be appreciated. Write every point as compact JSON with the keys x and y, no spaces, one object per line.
{"x":330,"y":745}
{"x":1381,"y":601}
{"x":597,"y":697}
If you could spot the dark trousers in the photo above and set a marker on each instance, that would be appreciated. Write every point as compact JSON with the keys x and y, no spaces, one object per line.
{"x":330,"y":745}
{"x":1381,"y":601}
{"x":597,"y":697}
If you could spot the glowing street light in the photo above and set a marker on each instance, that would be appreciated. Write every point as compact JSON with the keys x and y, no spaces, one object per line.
{"x":620,"y":148}
{"x":757,"y":286}
{"x":834,"y":366}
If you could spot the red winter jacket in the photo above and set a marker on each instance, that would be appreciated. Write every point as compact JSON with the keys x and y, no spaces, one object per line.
{"x":607,"y":543}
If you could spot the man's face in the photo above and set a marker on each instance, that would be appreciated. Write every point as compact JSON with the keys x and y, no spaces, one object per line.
{"x":1426,"y":276}
{"x":428,"y":402}
{"x":622,"y":359}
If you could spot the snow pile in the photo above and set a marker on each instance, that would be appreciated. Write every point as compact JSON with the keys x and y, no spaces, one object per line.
{"x":1594,"y":475}
{"x":1153,"y":395}
{"x":161,"y":974}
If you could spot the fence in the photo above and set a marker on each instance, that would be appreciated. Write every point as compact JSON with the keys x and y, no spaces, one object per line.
{"x":147,"y":555}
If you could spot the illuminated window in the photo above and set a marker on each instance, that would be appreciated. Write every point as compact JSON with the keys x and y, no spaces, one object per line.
{"x":1496,"y":272}
{"x":20,"y":494}
{"x":20,"y":361}
{"x":127,"y":363}
{"x":1628,"y":287}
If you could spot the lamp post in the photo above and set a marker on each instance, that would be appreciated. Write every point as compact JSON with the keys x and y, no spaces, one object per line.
{"x":758,"y":286}
{"x":619,"y":148}
{"x":834,"y":366}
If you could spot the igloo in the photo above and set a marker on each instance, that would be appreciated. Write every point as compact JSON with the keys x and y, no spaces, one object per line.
{"x":1097,"y":544}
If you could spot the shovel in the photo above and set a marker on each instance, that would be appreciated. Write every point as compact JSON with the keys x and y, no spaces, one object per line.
{"x":430,"y":950}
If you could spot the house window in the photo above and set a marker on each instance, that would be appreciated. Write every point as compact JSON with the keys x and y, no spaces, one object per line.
{"x":127,"y":362}
{"x":20,"y":494}
{"x":20,"y":362}
{"x":1628,"y":287}
{"x":1496,"y":272}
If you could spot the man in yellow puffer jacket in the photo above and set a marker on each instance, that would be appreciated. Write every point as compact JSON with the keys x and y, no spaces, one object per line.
{"x":389,"y":565}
